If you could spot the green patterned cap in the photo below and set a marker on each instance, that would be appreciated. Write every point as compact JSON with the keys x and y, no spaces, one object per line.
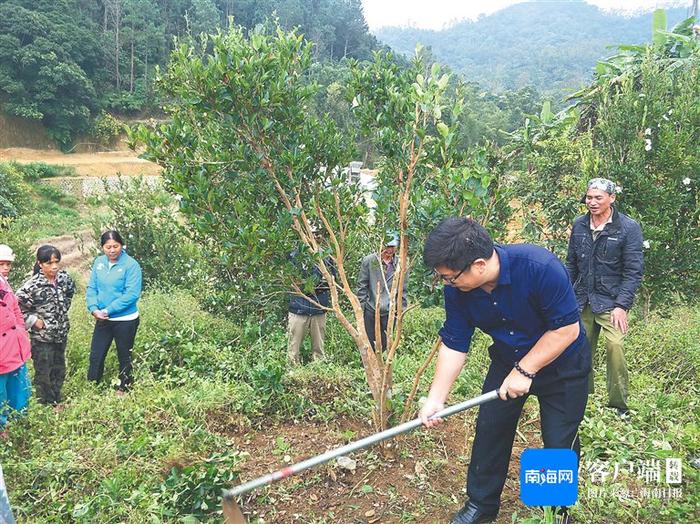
{"x":603,"y":184}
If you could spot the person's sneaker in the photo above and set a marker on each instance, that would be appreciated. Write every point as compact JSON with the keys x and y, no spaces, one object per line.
{"x":471,"y":514}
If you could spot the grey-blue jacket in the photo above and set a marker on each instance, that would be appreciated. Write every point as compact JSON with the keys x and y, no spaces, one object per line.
{"x":606,"y":273}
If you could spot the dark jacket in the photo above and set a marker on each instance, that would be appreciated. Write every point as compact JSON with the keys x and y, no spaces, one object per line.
{"x":39,"y":299}
{"x":606,"y":272}
{"x":371,"y":274}
{"x":300,"y":304}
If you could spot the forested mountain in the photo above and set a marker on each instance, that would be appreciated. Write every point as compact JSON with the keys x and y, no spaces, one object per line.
{"x":550,"y":45}
{"x":62,"y":61}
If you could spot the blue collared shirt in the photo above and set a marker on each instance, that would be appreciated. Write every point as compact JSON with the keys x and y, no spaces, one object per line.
{"x":533,"y":295}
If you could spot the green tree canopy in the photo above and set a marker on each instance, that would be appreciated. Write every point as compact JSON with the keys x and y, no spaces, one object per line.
{"x":45,"y":57}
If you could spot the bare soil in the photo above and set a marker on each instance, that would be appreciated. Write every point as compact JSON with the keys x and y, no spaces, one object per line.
{"x":417,"y":478}
{"x":86,"y":164}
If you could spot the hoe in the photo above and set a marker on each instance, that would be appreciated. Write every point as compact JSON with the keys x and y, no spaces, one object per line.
{"x":233,"y":513}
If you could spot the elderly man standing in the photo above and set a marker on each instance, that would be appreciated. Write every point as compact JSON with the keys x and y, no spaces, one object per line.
{"x":605,"y":264}
{"x":377,"y":272}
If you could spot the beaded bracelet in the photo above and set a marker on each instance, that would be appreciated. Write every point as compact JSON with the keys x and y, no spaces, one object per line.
{"x":527,"y":374}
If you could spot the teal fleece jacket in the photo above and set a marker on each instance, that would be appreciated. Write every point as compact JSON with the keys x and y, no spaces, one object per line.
{"x":116,"y":289}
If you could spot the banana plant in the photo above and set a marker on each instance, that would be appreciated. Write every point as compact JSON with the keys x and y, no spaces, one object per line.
{"x":672,"y":47}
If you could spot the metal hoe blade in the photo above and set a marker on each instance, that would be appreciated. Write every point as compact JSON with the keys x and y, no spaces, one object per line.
{"x":234,"y":515}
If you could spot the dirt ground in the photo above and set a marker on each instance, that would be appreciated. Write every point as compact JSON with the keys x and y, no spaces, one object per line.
{"x":418,"y":478}
{"x":86,"y":164}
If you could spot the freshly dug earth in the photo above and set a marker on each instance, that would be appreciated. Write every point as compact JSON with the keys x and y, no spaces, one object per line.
{"x":417,"y":478}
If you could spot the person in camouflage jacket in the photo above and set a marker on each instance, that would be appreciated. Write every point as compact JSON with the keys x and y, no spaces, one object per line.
{"x":45,"y":300}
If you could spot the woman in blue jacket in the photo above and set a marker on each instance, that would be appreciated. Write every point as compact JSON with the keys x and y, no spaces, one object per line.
{"x":112,"y":294}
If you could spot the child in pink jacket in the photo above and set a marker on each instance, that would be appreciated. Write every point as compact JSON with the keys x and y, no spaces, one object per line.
{"x":15,"y":348}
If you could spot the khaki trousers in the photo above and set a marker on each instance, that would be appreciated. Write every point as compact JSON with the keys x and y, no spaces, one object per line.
{"x":297,"y":327}
{"x":617,"y":376}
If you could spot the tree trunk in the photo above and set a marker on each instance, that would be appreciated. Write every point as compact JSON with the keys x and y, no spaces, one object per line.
{"x":374,"y":372}
{"x":117,"y":24}
{"x":131,"y":74}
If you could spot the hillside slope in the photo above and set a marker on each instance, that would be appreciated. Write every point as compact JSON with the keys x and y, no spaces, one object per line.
{"x":551,"y":45}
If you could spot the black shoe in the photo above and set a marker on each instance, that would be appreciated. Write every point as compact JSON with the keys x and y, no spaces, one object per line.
{"x":623,"y":413}
{"x":471,"y":514}
{"x":562,"y":516}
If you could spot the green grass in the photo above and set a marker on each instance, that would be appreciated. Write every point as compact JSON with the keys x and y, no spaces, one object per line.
{"x":54,"y":213}
{"x":33,"y":171}
{"x":152,"y":457}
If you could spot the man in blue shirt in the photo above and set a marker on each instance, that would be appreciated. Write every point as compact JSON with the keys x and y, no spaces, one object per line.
{"x":521,"y":296}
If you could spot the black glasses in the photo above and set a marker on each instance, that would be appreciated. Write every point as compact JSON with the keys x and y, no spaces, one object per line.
{"x":451,"y":280}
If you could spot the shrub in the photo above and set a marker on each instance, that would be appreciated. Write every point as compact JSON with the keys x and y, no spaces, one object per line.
{"x":195,"y":489}
{"x":106,"y":128}
{"x":147,"y":218}
{"x":14,"y":191}
{"x":34,"y":171}
{"x":14,"y":234}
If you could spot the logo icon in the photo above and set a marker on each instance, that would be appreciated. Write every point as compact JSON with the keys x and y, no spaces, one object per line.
{"x":548,"y":477}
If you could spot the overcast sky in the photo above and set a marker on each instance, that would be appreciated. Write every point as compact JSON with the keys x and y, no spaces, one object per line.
{"x":436,"y":14}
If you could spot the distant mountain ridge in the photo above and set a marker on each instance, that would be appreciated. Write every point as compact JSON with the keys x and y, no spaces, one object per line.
{"x":552,"y":46}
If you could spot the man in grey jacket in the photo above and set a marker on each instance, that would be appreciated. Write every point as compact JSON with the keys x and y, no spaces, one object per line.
{"x":377,"y":272}
{"x":605,"y":263}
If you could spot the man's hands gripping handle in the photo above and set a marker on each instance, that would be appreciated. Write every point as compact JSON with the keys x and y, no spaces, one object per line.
{"x":434,"y":412}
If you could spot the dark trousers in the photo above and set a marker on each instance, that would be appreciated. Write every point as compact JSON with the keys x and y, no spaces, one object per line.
{"x":49,"y":370}
{"x":562,"y":392}
{"x":369,"y":327}
{"x":123,"y":333}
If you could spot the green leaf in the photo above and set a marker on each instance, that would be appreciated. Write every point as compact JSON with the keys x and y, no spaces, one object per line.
{"x":443,"y":129}
{"x":658,"y":24}
{"x":546,"y":115}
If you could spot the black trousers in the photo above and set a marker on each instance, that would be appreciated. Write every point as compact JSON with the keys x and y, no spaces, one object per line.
{"x":123,"y":333}
{"x":562,"y":392}
{"x":49,"y":370}
{"x":369,"y":327}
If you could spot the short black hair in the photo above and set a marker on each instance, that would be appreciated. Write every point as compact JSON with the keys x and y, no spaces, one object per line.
{"x":456,"y":243}
{"x":44,"y":254}
{"x":111,"y":235}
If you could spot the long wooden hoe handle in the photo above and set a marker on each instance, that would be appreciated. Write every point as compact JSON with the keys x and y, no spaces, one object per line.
{"x":234,"y":515}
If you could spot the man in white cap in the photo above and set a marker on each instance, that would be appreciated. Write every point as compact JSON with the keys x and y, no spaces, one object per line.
{"x":377,"y":271}
{"x":605,"y":264}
